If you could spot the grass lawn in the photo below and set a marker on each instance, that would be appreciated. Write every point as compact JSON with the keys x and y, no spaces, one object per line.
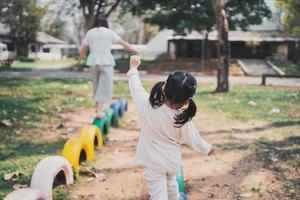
{"x":29,"y":65}
{"x":30,"y":104}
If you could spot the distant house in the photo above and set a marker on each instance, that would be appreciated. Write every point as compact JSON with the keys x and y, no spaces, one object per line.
{"x":46,"y":46}
{"x":252,"y":44}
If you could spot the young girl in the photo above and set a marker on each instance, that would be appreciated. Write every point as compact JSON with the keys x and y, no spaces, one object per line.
{"x":165,"y":125}
{"x":98,"y":41}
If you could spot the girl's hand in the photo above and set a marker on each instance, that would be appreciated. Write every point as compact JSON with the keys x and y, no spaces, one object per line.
{"x":135,"y":62}
{"x":212,"y":151}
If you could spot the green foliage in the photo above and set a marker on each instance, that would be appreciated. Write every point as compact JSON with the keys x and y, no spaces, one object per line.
{"x":57,"y":29}
{"x":243,"y":13}
{"x":291,"y":18}
{"x":290,"y":68}
{"x":237,"y":103}
{"x":22,"y":17}
{"x":25,"y":59}
{"x":199,"y":15}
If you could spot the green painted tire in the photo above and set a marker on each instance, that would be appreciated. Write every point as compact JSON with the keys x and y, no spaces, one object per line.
{"x":180,"y":180}
{"x":108,"y":120}
{"x":99,"y":122}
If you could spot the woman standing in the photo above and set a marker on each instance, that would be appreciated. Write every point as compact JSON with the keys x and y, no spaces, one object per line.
{"x":98,"y":41}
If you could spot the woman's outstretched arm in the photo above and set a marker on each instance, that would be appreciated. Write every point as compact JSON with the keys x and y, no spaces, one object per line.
{"x":83,"y":51}
{"x":127,"y":46}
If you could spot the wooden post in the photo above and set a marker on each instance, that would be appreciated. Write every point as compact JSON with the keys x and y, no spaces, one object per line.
{"x":223,"y":47}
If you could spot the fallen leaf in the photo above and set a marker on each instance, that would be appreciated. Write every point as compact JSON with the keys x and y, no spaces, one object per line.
{"x":42,"y":109}
{"x":80,"y":99}
{"x":19,"y":186}
{"x":59,"y":126}
{"x":274,"y":159}
{"x":246,"y":195}
{"x":91,"y":179}
{"x":252,"y":103}
{"x":58,"y":108}
{"x":117,"y":151}
{"x":274,"y":111}
{"x":13,"y":176}
{"x":6,"y":122}
{"x":70,"y":129}
{"x":87,"y":171}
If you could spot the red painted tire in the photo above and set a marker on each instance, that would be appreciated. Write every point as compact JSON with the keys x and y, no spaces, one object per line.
{"x":24,"y":194}
{"x":45,"y":173}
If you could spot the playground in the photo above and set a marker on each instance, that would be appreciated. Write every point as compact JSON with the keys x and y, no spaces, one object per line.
{"x":255,"y":130}
{"x":147,"y":99}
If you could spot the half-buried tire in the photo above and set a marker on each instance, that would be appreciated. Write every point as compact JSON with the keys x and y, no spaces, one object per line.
{"x":75,"y":151}
{"x":24,"y":194}
{"x":180,"y":180}
{"x":50,"y":171}
{"x":91,"y":135}
{"x":116,"y":116}
{"x":108,"y":119}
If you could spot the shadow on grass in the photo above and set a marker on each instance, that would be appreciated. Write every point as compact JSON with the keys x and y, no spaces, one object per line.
{"x":14,"y":82}
{"x":15,"y":69}
{"x":283,"y":150}
{"x":27,"y":148}
{"x":23,"y":156}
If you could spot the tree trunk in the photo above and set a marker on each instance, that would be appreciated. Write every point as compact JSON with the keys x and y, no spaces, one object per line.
{"x":89,"y":22}
{"x":206,"y":53}
{"x":223,"y":47}
{"x":141,"y":33}
{"x":22,"y":49}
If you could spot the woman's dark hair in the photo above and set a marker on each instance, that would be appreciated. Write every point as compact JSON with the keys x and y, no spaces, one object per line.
{"x":179,"y":87}
{"x":101,"y":22}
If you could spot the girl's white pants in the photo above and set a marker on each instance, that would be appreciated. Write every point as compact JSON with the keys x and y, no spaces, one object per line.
{"x":161,"y":185}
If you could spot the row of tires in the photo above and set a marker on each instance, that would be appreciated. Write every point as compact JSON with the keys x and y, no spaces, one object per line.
{"x":56,"y":170}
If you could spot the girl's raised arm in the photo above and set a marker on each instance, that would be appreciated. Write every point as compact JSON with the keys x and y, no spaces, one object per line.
{"x":137,"y":91}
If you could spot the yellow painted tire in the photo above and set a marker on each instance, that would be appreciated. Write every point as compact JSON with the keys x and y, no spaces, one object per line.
{"x":75,"y":151}
{"x":91,"y":135}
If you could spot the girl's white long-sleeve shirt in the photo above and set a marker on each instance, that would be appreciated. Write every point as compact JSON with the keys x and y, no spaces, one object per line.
{"x":159,"y":145}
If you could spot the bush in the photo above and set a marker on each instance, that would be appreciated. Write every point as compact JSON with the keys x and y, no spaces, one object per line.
{"x":26,"y":59}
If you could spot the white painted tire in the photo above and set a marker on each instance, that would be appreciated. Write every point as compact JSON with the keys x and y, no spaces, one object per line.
{"x":24,"y":194}
{"x":45,"y":173}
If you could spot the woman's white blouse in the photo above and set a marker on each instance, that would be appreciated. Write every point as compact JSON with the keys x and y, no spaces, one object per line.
{"x":159,"y":145}
{"x":99,"y":41}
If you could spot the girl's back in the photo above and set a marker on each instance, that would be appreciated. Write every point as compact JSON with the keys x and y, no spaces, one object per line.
{"x":163,"y":128}
{"x":159,"y":145}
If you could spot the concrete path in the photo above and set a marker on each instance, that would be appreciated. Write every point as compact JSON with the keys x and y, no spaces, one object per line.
{"x":60,"y":73}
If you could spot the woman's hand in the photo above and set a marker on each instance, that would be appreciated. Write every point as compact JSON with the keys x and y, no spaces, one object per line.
{"x":135,"y":62}
{"x":212,"y":151}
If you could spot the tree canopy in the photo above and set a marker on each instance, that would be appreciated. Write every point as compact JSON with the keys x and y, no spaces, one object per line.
{"x":199,"y":14}
{"x":23,"y":19}
{"x":291,"y":16}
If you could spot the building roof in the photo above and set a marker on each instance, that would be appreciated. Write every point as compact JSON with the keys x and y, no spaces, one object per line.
{"x":245,"y":36}
{"x":45,"y":38}
{"x":41,"y":37}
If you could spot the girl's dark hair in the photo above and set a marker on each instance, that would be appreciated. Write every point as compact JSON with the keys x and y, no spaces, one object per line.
{"x":179,"y":87}
{"x":101,"y":22}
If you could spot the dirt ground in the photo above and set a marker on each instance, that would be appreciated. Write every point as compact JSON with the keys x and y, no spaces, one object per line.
{"x":237,"y":171}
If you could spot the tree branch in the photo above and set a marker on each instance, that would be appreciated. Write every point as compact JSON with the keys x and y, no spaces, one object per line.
{"x":112,"y":8}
